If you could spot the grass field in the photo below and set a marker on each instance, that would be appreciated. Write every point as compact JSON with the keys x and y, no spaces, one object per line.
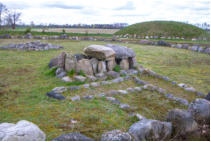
{"x":74,"y":30}
{"x":38,"y":32}
{"x":24,"y":83}
{"x":80,"y":30}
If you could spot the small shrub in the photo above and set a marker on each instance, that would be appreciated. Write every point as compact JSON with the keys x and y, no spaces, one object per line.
{"x":81,"y":73}
{"x":117,"y":68}
{"x":71,"y":73}
{"x":28,"y":30}
{"x":63,"y":31}
{"x":52,"y":71}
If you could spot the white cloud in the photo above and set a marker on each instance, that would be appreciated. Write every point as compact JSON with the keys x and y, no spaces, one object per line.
{"x":110,"y":11}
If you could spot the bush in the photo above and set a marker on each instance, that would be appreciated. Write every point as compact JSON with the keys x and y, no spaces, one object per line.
{"x":63,"y":31}
{"x":28,"y":30}
{"x":51,"y":72}
{"x":71,"y":73}
{"x":117,"y":68}
{"x":81,"y":73}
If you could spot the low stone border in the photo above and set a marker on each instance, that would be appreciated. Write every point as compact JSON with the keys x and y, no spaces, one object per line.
{"x":141,"y":70}
{"x":186,"y":87}
{"x":32,"y":46}
{"x":133,"y":133}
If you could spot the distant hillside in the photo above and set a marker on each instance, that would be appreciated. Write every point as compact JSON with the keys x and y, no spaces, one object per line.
{"x":164,"y":28}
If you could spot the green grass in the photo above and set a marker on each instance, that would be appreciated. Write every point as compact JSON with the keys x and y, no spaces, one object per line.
{"x":25,"y":79}
{"x":37,"y":33}
{"x":71,"y":73}
{"x":164,"y":28}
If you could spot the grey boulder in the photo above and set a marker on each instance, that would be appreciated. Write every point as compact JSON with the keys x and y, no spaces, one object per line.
{"x":55,"y":95}
{"x":59,"y":89}
{"x":151,"y":130}
{"x":113,"y":74}
{"x":200,"y":109}
{"x":61,"y":75}
{"x":73,"y":137}
{"x":80,"y":78}
{"x":21,"y":131}
{"x":72,"y":88}
{"x":53,"y":62}
{"x":116,"y":135}
{"x":182,"y":121}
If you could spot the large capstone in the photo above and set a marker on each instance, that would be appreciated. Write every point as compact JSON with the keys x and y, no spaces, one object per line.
{"x":122,"y":52}
{"x":99,"y":52}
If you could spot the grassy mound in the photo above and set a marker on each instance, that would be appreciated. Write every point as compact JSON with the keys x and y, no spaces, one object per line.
{"x":164,"y":28}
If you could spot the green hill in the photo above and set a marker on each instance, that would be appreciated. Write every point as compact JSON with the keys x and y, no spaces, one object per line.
{"x":164,"y":28}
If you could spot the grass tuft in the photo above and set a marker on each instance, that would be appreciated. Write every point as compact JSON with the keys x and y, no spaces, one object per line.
{"x":51,"y":72}
{"x":117,"y":68}
{"x":81,"y":73}
{"x":71,"y":73}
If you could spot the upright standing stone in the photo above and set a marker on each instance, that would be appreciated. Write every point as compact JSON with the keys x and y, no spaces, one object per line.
{"x":94,"y":63}
{"x":70,"y":62}
{"x":85,"y":66}
{"x":111,"y":64}
{"x":134,"y":63}
{"x":61,"y":60}
{"x":101,"y":67}
{"x":124,"y":65}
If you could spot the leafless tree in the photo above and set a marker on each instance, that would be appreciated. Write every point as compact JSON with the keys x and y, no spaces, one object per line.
{"x":12,"y":18}
{"x":3,"y":9}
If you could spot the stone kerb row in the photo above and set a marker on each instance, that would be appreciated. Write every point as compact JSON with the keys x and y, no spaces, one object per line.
{"x":138,"y":81}
{"x":32,"y":46}
{"x":175,"y":118}
{"x":186,"y":87}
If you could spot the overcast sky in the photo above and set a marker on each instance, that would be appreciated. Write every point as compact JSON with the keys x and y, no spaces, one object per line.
{"x":110,"y":11}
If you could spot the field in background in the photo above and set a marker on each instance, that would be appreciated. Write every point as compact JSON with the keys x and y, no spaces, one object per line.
{"x":74,"y":30}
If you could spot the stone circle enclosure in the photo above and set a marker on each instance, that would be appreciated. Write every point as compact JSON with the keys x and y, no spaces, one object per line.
{"x":98,"y":59}
{"x":32,"y":46}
